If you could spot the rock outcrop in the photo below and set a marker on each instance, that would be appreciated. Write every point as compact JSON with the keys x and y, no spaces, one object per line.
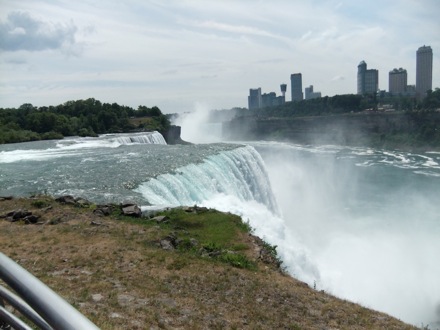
{"x":172,"y":135}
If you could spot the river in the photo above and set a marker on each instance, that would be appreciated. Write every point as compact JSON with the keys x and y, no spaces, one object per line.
{"x":359,"y":223}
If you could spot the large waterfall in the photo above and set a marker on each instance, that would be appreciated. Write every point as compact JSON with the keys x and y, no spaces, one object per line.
{"x":239,"y":172}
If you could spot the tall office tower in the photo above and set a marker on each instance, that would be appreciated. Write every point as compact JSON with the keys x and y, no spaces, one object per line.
{"x":367,"y":80}
{"x":397,"y":81}
{"x":254,"y":98}
{"x":296,"y":86}
{"x":423,"y":71}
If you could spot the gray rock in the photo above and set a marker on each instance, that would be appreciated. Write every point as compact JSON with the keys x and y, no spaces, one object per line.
{"x":132,"y":211}
{"x":81,"y":202}
{"x":97,"y":297}
{"x":167,"y":244}
{"x":66,"y":199}
{"x":160,"y":219}
{"x":31,"y":219}
{"x":20,"y":214}
{"x":125,"y":299}
{"x":103,"y":210}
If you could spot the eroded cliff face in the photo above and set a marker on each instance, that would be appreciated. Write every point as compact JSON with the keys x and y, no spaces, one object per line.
{"x":172,"y":135}
{"x":347,"y":129}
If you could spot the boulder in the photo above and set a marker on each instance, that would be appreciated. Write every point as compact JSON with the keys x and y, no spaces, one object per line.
{"x":103,"y":210}
{"x":66,"y":199}
{"x":169,"y":242}
{"x":20,"y":214}
{"x":160,"y":219}
{"x":81,"y":202}
{"x":132,"y":211}
{"x":166,"y":244}
{"x":31,"y":219}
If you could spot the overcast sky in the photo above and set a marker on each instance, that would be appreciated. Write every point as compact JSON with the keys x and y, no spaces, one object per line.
{"x":180,"y":54}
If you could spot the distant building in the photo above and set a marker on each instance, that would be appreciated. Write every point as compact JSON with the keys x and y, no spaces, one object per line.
{"x":268,"y":99}
{"x":271,"y":100}
{"x":397,"y":81}
{"x":254,"y":99}
{"x":296,"y":86}
{"x":310,"y":94}
{"x":423,"y":71}
{"x":283,"y":88}
{"x":411,"y":90}
{"x":367,"y":80}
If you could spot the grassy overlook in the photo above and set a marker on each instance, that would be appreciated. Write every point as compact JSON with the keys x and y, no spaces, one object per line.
{"x":116,"y":271}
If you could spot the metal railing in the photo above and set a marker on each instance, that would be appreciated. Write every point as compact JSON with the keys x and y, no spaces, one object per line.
{"x":36,"y":301}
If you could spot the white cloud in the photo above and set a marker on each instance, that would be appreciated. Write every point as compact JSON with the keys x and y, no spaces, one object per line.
{"x":21,"y":31}
{"x":175,"y":53}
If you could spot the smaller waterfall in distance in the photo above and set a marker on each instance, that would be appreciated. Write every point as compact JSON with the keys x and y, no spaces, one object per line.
{"x":141,"y":138}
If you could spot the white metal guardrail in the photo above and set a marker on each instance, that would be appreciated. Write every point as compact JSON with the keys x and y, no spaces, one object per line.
{"x":36,"y":301}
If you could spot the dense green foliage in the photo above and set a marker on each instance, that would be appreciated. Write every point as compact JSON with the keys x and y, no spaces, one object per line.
{"x":82,"y":117}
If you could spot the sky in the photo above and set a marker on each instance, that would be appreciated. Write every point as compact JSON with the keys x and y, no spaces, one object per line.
{"x":183,"y":54}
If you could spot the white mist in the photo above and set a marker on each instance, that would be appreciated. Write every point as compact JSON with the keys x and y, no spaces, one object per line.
{"x":374,"y":243}
{"x":196,"y":127}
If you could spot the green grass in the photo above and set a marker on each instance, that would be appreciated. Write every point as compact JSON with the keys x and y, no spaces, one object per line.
{"x":216,"y":235}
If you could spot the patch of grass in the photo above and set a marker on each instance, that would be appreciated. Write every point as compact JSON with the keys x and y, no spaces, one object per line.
{"x":39,"y":204}
{"x":270,"y":254}
{"x":209,"y":227}
{"x":238,"y":260}
{"x":177,"y":264}
{"x":239,"y":247}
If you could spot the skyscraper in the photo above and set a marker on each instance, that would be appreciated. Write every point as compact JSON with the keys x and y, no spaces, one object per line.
{"x":367,"y":80}
{"x":423,"y":71}
{"x":296,"y":86}
{"x":254,"y":98}
{"x":397,"y":81}
{"x":310,"y":94}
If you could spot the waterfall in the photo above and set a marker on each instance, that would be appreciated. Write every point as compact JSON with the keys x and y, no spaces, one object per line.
{"x":239,"y":172}
{"x":141,"y":138}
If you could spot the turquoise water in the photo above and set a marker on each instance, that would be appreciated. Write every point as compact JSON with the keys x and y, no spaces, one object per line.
{"x":360,"y":223}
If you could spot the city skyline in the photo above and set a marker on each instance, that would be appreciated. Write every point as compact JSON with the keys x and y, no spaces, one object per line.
{"x":180,"y":54}
{"x":368,"y":80}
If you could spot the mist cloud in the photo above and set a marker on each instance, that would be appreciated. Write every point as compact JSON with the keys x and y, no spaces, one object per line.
{"x":21,"y":31}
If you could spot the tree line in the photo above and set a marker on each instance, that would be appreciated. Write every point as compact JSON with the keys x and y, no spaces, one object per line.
{"x":347,"y":103}
{"x":88,"y":117}
{"x":422,"y":117}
